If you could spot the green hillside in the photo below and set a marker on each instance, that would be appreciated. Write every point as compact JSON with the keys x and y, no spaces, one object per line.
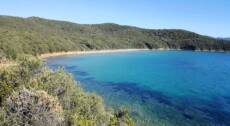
{"x":35,"y":35}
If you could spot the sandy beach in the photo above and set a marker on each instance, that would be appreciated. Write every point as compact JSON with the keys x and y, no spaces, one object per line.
{"x":47,"y":55}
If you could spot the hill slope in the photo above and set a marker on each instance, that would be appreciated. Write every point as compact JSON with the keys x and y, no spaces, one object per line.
{"x":227,"y":39}
{"x":35,"y":36}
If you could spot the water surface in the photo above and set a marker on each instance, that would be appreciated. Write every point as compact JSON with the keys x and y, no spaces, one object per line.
{"x":172,"y":88}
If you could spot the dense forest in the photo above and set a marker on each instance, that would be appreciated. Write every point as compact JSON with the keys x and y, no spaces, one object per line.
{"x":35,"y":36}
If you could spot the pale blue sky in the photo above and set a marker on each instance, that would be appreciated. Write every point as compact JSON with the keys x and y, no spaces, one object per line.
{"x":208,"y":17}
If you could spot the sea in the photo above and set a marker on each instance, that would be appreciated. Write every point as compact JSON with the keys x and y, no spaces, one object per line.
{"x":159,"y":88}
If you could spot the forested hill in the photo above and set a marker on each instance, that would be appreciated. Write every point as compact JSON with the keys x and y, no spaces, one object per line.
{"x":227,"y":39}
{"x":35,"y":35}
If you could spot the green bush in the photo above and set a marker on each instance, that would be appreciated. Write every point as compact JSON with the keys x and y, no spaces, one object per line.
{"x":9,"y":81}
{"x":36,"y":108}
{"x":2,"y":56}
{"x":46,"y":90}
{"x":12,"y":77}
{"x":121,"y":118}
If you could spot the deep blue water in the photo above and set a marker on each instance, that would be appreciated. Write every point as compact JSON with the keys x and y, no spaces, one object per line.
{"x":172,"y":88}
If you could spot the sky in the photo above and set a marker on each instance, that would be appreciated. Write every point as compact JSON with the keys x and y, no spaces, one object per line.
{"x":207,"y":17}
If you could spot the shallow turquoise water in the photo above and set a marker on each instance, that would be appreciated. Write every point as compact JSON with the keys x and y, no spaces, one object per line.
{"x":169,"y":88}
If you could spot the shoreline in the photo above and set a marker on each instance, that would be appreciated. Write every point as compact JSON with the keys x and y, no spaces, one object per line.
{"x":55,"y":54}
{"x":47,"y":55}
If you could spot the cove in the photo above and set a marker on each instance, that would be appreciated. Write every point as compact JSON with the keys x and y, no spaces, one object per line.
{"x":172,"y":88}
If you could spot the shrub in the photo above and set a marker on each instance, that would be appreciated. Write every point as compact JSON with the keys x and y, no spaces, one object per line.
{"x":29,"y":66}
{"x":12,"y":77}
{"x":81,"y":108}
{"x":8,"y":82}
{"x":121,"y":118}
{"x":36,"y":108}
{"x":50,"y":98}
{"x":2,"y":56}
{"x":88,"y":110}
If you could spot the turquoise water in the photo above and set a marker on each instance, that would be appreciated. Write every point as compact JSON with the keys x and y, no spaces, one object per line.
{"x":172,"y":88}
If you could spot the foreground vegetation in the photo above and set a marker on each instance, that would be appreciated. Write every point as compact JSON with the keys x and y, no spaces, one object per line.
{"x":37,"y":36}
{"x":32,"y":94}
